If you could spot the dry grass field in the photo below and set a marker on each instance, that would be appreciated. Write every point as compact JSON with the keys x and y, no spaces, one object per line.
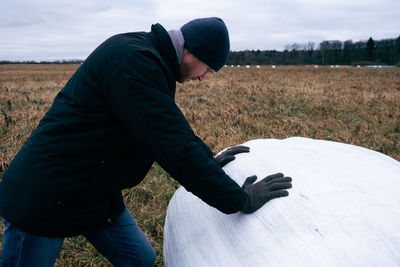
{"x":346,"y":104}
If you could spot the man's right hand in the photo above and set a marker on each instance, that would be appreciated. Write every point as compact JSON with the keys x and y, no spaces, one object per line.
{"x":272,"y":186}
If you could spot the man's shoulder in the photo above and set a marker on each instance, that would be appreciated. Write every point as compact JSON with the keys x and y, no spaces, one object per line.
{"x":129,"y":41}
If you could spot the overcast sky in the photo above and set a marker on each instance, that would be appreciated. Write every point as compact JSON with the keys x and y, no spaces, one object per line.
{"x":71,"y":29}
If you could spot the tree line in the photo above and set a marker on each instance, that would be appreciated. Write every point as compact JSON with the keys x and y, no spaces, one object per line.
{"x":65,"y":61}
{"x":334,"y":52}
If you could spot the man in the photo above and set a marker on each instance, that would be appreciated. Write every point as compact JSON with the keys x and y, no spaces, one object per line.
{"x":106,"y":127}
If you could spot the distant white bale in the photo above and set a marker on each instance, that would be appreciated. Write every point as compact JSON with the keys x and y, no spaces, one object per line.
{"x":358,"y":66}
{"x":273,"y":66}
{"x":225,"y":66}
{"x":248,"y":66}
{"x":337,"y":66}
{"x":316,"y":66}
{"x":343,"y":210}
{"x":231,"y":66}
{"x":258,"y":66}
{"x":332,"y":66}
{"x":238,"y":66}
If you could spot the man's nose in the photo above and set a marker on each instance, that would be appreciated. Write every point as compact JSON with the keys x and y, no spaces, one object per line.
{"x":201,"y":77}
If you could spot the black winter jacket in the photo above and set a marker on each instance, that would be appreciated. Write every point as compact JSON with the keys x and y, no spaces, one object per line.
{"x":114,"y":118}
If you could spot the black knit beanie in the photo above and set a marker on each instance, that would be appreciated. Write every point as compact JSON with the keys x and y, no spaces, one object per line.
{"x":208,"y":40}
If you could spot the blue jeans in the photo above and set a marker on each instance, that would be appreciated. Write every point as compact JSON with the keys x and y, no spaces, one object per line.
{"x":123,"y":244}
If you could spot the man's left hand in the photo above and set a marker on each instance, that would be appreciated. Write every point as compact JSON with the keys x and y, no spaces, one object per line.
{"x":229,"y":155}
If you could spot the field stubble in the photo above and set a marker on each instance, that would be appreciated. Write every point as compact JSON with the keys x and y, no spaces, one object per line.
{"x":355,"y":106}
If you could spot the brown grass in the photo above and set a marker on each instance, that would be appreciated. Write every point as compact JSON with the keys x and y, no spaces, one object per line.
{"x":356,"y":106}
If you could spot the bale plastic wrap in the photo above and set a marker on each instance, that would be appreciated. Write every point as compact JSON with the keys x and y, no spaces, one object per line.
{"x":343,"y":210}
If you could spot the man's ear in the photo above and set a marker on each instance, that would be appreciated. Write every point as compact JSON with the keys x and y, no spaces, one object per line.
{"x":186,"y":55}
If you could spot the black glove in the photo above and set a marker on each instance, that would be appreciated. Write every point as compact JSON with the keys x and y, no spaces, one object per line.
{"x":228,"y":155}
{"x":261,"y":192}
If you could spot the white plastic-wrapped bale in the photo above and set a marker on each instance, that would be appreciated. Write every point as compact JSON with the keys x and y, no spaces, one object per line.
{"x":343,"y":210}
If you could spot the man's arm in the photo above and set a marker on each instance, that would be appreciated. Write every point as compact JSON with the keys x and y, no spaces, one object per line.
{"x":152,"y":118}
{"x":148,"y":112}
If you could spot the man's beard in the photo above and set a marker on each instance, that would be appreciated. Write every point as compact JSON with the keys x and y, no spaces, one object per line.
{"x":184,"y":72}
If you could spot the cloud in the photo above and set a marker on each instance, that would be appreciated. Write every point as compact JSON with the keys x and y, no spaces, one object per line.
{"x":72,"y":29}
{"x":49,"y":28}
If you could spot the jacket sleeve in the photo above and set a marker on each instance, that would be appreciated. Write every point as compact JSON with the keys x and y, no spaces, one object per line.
{"x":203,"y":145}
{"x":141,"y":100}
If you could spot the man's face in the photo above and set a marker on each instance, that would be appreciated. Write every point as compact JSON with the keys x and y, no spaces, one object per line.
{"x":191,"y":68}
